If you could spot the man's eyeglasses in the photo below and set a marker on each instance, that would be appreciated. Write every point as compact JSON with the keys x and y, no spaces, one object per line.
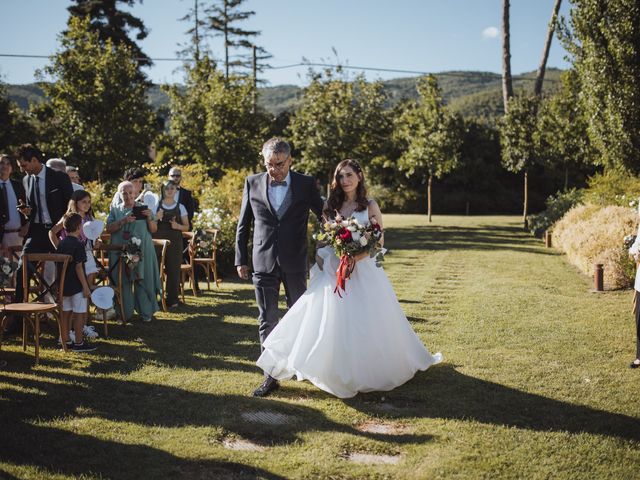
{"x":175,"y":175}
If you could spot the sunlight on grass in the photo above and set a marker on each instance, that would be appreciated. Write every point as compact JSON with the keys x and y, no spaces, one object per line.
{"x":535,"y":381}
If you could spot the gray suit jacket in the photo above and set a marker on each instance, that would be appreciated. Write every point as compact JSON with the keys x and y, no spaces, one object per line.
{"x":281,"y":240}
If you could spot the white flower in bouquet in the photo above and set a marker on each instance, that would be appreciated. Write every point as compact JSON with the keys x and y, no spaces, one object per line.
{"x":363,"y":241}
{"x":355,"y":234}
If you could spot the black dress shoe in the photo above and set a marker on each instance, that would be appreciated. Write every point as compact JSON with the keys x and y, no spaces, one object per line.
{"x":634,"y":364}
{"x":268,"y":386}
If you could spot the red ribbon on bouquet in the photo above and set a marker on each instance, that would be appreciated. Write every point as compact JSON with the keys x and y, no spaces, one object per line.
{"x":347,"y":264}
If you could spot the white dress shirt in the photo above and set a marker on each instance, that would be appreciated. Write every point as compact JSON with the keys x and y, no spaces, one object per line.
{"x":12,"y":206}
{"x":277,"y":194}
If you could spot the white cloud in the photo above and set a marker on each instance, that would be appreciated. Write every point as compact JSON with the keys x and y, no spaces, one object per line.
{"x":490,"y":32}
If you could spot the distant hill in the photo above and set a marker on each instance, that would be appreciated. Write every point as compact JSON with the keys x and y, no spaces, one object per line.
{"x":472,"y":94}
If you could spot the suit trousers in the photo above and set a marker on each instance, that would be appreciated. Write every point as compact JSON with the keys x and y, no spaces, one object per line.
{"x":267,"y":287}
{"x":37,"y":242}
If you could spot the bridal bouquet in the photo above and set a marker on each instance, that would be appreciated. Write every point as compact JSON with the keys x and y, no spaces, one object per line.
{"x":349,"y":239}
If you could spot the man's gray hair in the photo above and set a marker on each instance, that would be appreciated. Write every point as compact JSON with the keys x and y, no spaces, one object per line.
{"x":71,"y":168}
{"x":57,"y":164}
{"x":275,"y":146}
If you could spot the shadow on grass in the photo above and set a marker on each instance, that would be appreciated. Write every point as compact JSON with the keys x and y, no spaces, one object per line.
{"x":481,"y":237}
{"x":443,"y":392}
{"x":48,"y":396}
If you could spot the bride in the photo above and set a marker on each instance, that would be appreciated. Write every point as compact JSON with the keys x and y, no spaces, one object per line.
{"x":361,"y":342}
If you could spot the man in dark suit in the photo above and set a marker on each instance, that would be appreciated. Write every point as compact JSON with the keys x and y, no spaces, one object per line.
{"x":11,"y":194}
{"x":47,"y":197}
{"x":277,"y":203}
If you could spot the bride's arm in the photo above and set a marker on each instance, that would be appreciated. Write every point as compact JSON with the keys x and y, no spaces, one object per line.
{"x":376,"y":215}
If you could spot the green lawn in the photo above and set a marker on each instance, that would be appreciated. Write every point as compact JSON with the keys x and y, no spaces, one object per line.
{"x":535,"y":382}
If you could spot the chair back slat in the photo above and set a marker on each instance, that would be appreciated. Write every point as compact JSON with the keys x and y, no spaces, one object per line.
{"x":39,"y":259}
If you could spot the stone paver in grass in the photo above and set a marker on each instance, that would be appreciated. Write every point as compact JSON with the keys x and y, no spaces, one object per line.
{"x":268,"y":417}
{"x":242,"y":445}
{"x":371,"y":458}
{"x":384,"y":428}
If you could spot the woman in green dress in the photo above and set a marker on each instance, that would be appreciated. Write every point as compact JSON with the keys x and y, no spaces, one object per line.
{"x":172,"y":221}
{"x":141,"y":282}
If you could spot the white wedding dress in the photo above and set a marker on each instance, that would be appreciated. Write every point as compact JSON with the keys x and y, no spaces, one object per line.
{"x":361,"y":342}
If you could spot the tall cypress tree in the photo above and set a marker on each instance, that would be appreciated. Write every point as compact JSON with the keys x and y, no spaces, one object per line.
{"x":113,"y":24}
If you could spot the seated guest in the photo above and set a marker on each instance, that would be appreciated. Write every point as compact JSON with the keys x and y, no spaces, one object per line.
{"x":75,"y":290}
{"x":172,"y":221}
{"x":141,"y":281}
{"x":74,"y":176}
{"x":12,"y":224}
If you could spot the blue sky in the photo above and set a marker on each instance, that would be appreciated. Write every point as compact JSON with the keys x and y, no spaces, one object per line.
{"x":421,"y":35}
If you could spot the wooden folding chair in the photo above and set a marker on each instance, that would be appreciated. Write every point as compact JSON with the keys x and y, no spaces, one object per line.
{"x":209,"y":264}
{"x":32,"y":310}
{"x":161,"y":246}
{"x":188,"y":269}
{"x":107,"y":276}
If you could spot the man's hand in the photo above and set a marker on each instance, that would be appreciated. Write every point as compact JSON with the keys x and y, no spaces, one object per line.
{"x":243,"y":272}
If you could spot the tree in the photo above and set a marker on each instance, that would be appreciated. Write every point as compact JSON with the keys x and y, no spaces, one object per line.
{"x":339,"y":119}
{"x":517,"y":133}
{"x":211,"y":121}
{"x":561,"y":136}
{"x":113,"y":24}
{"x":507,"y":82}
{"x":223,"y":17}
{"x":537,"y":89}
{"x":430,"y":136}
{"x":98,"y":116}
{"x":603,"y":37}
{"x":197,"y":33}
{"x":16,"y":128}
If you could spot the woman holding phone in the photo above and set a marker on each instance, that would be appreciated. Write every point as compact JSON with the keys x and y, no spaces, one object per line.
{"x":141,"y":285}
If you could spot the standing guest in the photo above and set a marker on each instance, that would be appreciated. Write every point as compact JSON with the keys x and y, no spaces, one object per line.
{"x":12,"y":224}
{"x":172,"y":221}
{"x":141,"y":285}
{"x":57,"y":164}
{"x":48,"y":193}
{"x":74,"y":176}
{"x":183,"y":196}
{"x":277,"y":204}
{"x":634,"y":251}
{"x":75,"y":290}
{"x":80,"y":203}
{"x":135,"y":176}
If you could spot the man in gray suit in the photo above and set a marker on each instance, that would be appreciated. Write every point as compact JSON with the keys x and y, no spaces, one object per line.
{"x":277,"y":203}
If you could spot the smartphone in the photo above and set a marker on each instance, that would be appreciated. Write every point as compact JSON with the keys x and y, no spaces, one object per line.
{"x":137,"y":212}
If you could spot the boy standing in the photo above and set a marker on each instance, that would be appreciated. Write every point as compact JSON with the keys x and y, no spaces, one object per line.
{"x":75,"y":290}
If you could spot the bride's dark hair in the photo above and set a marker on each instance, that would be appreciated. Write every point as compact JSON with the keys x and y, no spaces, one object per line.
{"x":337,"y":195}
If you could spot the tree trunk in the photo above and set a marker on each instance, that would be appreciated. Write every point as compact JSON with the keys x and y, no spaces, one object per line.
{"x":526,"y":197}
{"x":507,"y":84}
{"x":537,"y":89}
{"x":566,"y":178}
{"x":254,"y":92}
{"x":197,"y":32}
{"x":430,"y":181}
{"x":226,"y":42}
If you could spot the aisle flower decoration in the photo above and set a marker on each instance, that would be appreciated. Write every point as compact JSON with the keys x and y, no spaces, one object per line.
{"x":132,"y":255}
